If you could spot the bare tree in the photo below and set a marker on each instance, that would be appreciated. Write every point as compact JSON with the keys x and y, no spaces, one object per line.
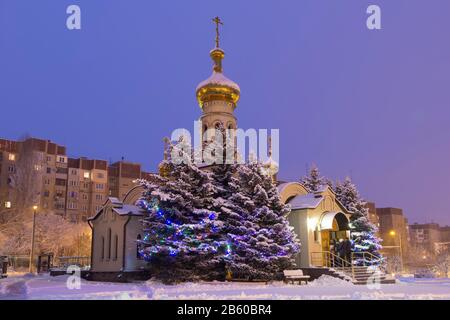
{"x":442,"y":264}
{"x":54,"y":234}
{"x":24,"y":190}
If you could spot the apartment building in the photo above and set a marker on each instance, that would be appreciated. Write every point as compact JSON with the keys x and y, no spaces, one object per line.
{"x":425,"y":236}
{"x":372,"y":213}
{"x":393,"y":230}
{"x":8,"y":156}
{"x":39,"y":172}
{"x":445,"y":234}
{"x":32,"y":172}
{"x":87,"y":188}
{"x":122,"y":176}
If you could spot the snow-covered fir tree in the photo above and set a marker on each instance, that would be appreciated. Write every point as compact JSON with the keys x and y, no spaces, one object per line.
{"x":204,"y":224}
{"x":362,"y":231}
{"x":314,"y":181}
{"x":261,"y":242}
{"x":183,"y":238}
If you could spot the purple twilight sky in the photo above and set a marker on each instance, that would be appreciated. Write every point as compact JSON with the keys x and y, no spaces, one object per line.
{"x":371,"y":104}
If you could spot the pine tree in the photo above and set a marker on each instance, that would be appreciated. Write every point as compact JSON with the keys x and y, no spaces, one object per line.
{"x":362,"y":231}
{"x":314,"y":181}
{"x":201,"y":224}
{"x":183,"y":239}
{"x":261,"y":242}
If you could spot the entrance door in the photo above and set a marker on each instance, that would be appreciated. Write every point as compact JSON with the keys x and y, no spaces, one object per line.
{"x":325,"y":237}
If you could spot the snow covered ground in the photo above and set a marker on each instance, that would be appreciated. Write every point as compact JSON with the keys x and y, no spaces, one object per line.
{"x":23,"y":286}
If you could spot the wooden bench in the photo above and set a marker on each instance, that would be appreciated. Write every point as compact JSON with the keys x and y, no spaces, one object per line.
{"x":295,"y":275}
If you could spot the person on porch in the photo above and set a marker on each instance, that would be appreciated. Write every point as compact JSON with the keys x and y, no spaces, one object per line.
{"x":347,"y":251}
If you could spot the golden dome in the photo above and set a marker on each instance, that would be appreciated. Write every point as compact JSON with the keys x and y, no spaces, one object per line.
{"x":165,"y":168}
{"x":217,"y":86}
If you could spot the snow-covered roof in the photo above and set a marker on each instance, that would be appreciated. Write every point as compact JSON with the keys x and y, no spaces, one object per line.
{"x":218,"y":78}
{"x":115,"y":202}
{"x":306,"y":201}
{"x":323,"y":188}
{"x":128,"y":210}
{"x":120,"y":208}
{"x":283,"y":185}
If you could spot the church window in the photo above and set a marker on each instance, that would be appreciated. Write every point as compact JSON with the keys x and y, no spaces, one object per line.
{"x":103,"y":247}
{"x":109,"y":243}
{"x":205,"y":128}
{"x":116,"y":245}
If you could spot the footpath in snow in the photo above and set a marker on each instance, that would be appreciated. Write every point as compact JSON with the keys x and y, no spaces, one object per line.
{"x":19,"y":286}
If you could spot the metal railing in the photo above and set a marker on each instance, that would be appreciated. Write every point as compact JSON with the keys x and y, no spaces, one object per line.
{"x":358,"y":259}
{"x":331,"y":260}
{"x":366,"y":259}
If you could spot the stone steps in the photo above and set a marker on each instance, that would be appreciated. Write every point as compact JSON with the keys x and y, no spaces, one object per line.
{"x":364,"y":275}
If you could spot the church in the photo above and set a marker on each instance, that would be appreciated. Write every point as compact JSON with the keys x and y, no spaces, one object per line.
{"x":317,"y":218}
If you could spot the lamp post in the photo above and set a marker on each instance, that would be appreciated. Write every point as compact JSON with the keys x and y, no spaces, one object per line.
{"x":393,"y":233}
{"x":32,"y":240}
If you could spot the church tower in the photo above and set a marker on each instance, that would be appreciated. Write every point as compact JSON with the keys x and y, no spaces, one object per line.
{"x":217,"y":95}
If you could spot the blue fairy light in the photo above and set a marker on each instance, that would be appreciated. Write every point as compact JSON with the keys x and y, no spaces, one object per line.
{"x":228,"y":249}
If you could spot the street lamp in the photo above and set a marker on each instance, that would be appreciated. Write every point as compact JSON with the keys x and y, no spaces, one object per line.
{"x":393,"y":233}
{"x":32,"y":240}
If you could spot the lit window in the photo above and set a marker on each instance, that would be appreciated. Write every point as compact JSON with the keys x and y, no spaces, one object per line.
{"x":12,"y":157}
{"x":8,"y":204}
{"x":86,"y":175}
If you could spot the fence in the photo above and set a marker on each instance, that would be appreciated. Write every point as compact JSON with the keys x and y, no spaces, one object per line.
{"x":21,"y":262}
{"x":64,"y":262}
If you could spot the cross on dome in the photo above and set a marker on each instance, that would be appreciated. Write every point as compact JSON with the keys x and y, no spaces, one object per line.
{"x":218,"y":22}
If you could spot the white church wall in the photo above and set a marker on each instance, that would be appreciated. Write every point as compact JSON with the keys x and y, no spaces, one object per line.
{"x":107,"y":242}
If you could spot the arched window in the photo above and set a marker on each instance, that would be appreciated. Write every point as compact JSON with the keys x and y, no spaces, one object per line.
{"x":116,"y":246}
{"x":205,"y":128}
{"x":138,"y":256}
{"x":103,"y":248}
{"x":109,"y":243}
